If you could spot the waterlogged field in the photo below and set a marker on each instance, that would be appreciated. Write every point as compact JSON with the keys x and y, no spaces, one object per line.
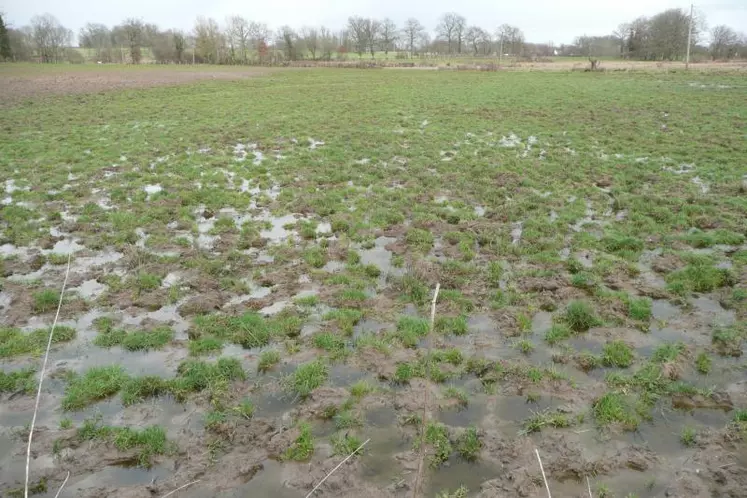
{"x":253,"y":264}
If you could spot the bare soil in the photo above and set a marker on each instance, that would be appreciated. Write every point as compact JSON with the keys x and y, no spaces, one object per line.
{"x":27,"y":82}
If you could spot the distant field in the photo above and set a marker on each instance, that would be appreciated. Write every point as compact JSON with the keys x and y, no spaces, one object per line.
{"x":255,"y":253}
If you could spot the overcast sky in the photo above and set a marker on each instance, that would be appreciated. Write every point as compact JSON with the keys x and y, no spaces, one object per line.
{"x":541,"y":20}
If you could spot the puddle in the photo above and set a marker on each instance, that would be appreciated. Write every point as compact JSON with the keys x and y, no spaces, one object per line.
{"x":479,"y":210}
{"x":541,"y":322}
{"x":313,"y":144}
{"x":511,"y":141}
{"x":152,"y":189}
{"x":90,"y":289}
{"x":274,"y":308}
{"x":334,"y":266}
{"x":277,"y":233}
{"x":585,"y":258}
{"x":64,"y":247}
{"x":368,"y":325}
{"x":116,"y":477}
{"x":708,"y":306}
{"x":664,"y":310}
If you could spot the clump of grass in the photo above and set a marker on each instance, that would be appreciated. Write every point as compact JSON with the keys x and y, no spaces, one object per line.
{"x":315,"y":257}
{"x":249,"y":330}
{"x":196,"y":376}
{"x":546,"y":418}
{"x":205,"y":345}
{"x":267,"y":360}
{"x":57,"y":259}
{"x":307,"y":377}
{"x":46,"y":300}
{"x":214,"y":418}
{"x":145,"y":282}
{"x":345,"y":444}
{"x":455,"y":393}
{"x":307,"y":301}
{"x":136,"y":341}
{"x":622,"y":245}
{"x":584,"y":280}
{"x":614,"y":408}
{"x":135,"y":390}
{"x":420,"y":240}
{"x":330,"y":343}
{"x":461,"y":492}
{"x":617,"y":354}
{"x":404,"y":372}
{"x":361,"y":388}
{"x":580,"y":316}
{"x":20,"y":380}
{"x":728,"y":340}
{"x":688,"y":436}
{"x":525,"y":346}
{"x":468,"y":444}
{"x":303,"y":447}
{"x":96,"y":384}
{"x":244,"y":409}
{"x":639,"y":309}
{"x":345,"y":318}
{"x":668,"y":352}
{"x":412,"y":287}
{"x":703,"y":363}
{"x":347,"y":419}
{"x":699,"y":276}
{"x":149,"y":442}
{"x":411,"y":329}
{"x":558,"y":332}
{"x":456,"y":325}
{"x":438,"y":437}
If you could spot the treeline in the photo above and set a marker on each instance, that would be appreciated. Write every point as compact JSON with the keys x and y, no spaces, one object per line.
{"x":242,"y":41}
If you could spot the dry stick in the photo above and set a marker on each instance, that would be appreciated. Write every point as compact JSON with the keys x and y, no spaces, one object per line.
{"x":416,"y":488}
{"x":180,"y":487}
{"x":588,"y":485}
{"x":63,"y":485}
{"x":338,"y":466}
{"x":543,"y":473}
{"x":41,"y":377}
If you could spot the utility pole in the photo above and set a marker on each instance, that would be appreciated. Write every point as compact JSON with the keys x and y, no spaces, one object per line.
{"x":689,"y":37}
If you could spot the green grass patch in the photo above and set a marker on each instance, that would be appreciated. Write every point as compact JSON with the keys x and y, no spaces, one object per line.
{"x":267,"y":360}
{"x":20,"y":380}
{"x":468,"y":444}
{"x":303,"y":447}
{"x":136,"y":341}
{"x":306,"y":378}
{"x":46,"y":300}
{"x":96,"y":384}
{"x":580,"y":316}
{"x":14,"y":342}
{"x":617,"y":354}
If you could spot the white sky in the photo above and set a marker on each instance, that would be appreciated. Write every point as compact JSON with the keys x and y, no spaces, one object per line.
{"x":559,"y":21}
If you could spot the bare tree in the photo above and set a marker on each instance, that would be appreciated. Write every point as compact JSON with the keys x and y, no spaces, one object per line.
{"x":358,"y":33}
{"x":327,"y":43}
{"x":372,"y":28}
{"x":98,"y":38}
{"x":451,"y":28}
{"x":287,"y":38}
{"x":510,"y":39}
{"x":5,"y":51}
{"x":50,"y":37}
{"x":620,"y":34}
{"x":311,"y":38}
{"x":412,"y":32}
{"x":388,"y":35}
{"x":476,"y":38}
{"x":724,"y":42}
{"x":133,"y":31}
{"x":237,"y":30}
{"x":180,"y":44}
{"x":208,"y":40}
{"x":259,"y":35}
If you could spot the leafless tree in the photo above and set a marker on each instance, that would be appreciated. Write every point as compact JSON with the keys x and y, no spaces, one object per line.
{"x":208,"y":40}
{"x":510,"y":39}
{"x":237,"y":31}
{"x":132,"y":31}
{"x":477,"y":38}
{"x":413,"y":31}
{"x":388,"y":35}
{"x":451,"y":28}
{"x":327,"y":42}
{"x":98,"y":38}
{"x":50,"y":37}
{"x":310,"y":37}
{"x":180,"y":44}
{"x":259,"y":34}
{"x":288,"y":38}
{"x":358,"y":33}
{"x":372,"y":28}
{"x":724,"y":42}
{"x":620,"y":33}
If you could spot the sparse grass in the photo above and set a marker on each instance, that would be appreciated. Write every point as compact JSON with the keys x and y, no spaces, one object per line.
{"x":268,"y":359}
{"x":361,"y":388}
{"x":546,"y":418}
{"x":525,"y":346}
{"x":410,"y":330}
{"x":419,"y":240}
{"x":303,"y":447}
{"x":698,"y":277}
{"x":456,"y":325}
{"x":615,"y":408}
{"x":580,"y":316}
{"x":205,"y":345}
{"x":147,"y":443}
{"x":307,"y":377}
{"x":347,"y":419}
